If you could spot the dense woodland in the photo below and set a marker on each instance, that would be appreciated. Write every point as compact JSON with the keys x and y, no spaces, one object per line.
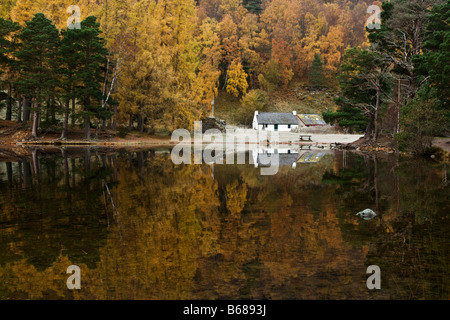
{"x":146,"y":63}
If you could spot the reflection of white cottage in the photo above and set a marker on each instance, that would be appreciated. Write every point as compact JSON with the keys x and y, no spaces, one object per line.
{"x":274,"y":121}
{"x":287,"y":156}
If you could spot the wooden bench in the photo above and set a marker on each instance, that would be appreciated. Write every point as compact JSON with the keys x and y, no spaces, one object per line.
{"x":304,"y":137}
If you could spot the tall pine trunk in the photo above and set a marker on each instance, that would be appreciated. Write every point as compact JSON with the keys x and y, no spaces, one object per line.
{"x":47,"y":111}
{"x":26,"y":110}
{"x":19,"y":112}
{"x":140,"y":123}
{"x":87,"y":120}
{"x":35,"y":124}
{"x":66,"y":121}
{"x":73,"y":112}
{"x":368,"y":132}
{"x":9,"y":105}
{"x":53,"y":110}
{"x":377,"y":109}
{"x":9,"y":173}
{"x":87,"y":127}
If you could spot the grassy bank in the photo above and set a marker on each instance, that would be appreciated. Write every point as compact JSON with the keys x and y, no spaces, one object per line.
{"x":296,"y":97}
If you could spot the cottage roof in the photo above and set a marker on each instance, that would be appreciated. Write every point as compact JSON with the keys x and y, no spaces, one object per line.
{"x":312,"y":119}
{"x":276,"y":118}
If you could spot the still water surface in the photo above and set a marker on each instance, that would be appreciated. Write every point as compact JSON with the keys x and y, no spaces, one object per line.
{"x":140,"y":227}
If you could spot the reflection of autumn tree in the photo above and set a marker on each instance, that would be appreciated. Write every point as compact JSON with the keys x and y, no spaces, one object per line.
{"x":236,"y":196}
{"x":164,"y":231}
{"x":304,"y":256}
{"x":181,"y":233}
{"x":279,"y":249}
{"x":26,"y":282}
{"x":21,"y":280}
{"x":154,"y":246}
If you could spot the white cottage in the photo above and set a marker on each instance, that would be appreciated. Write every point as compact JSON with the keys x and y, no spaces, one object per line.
{"x":274,"y":121}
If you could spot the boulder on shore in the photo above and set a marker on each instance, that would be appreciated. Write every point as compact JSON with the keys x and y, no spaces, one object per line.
{"x":213,"y":123}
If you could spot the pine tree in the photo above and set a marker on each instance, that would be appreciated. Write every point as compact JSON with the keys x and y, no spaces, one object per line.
{"x":38,"y":63}
{"x":69,"y":62}
{"x":365,"y":82}
{"x":90,"y":71}
{"x":253,"y":6}
{"x":316,"y":77}
{"x":7,"y":47}
{"x":401,"y":36}
{"x":435,"y":61}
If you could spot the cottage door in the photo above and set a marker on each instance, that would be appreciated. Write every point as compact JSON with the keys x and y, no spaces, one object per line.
{"x":276,"y":127}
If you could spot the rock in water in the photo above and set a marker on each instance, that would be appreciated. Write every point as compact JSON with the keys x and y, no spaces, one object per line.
{"x":367,"y":214}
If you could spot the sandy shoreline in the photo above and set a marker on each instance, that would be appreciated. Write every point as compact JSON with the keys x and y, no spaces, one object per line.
{"x":13,"y":133}
{"x":252,"y":138}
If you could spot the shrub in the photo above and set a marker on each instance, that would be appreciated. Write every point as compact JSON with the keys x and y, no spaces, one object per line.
{"x":123,"y":132}
{"x":253,"y":100}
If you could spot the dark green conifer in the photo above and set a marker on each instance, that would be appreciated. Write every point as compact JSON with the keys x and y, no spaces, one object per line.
{"x":37,"y":63}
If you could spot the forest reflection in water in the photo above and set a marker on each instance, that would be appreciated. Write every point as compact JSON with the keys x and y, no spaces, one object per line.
{"x":140,"y":227}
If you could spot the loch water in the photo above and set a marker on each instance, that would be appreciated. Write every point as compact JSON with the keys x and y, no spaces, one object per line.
{"x":140,"y":227}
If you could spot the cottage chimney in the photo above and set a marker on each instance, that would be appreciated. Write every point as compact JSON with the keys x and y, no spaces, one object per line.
{"x":294,"y":113}
{"x":256,"y":113}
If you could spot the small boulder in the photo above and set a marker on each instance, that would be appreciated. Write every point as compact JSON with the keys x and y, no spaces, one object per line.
{"x":367,"y":214}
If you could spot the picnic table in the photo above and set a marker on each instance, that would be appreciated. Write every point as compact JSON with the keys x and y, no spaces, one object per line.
{"x":304,"y":137}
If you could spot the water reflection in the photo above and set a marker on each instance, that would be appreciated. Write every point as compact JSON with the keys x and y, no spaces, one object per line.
{"x":286,"y":156}
{"x":141,"y":227}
